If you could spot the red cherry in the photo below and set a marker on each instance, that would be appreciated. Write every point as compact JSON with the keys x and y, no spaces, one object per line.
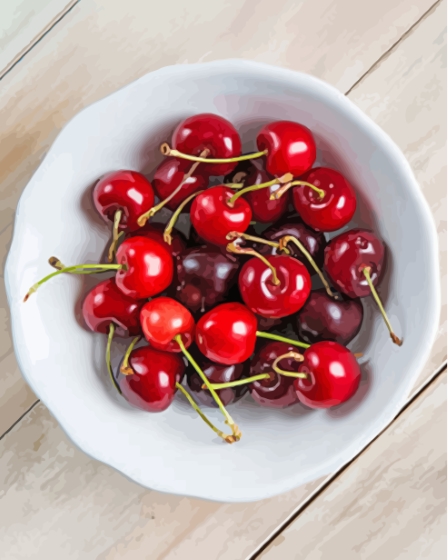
{"x":106,"y":304}
{"x":332,"y":211}
{"x":227,"y":334}
{"x":168,"y":177}
{"x":148,"y":267}
{"x":155,"y":231}
{"x":208,"y":132}
{"x":290,"y":148}
{"x":333,"y":375}
{"x":152,"y":385}
{"x":164,"y":318}
{"x":127,"y":191}
{"x":264,"y":297}
{"x":213,"y":217}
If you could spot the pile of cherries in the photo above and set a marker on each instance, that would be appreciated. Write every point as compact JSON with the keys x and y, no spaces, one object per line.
{"x":225,"y":296}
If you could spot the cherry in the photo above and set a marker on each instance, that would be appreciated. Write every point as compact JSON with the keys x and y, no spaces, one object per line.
{"x":162,"y":320}
{"x":290,"y":148}
{"x":106,"y":304}
{"x":333,"y":375}
{"x":329,"y":212}
{"x":152,"y":384}
{"x":325,"y":318}
{"x":214,"y":217}
{"x":146,"y":267}
{"x":204,"y":277}
{"x":209,"y":132}
{"x":274,"y":287}
{"x":155,"y":232}
{"x":277,"y":391}
{"x":168,"y":177}
{"x":126,"y":192}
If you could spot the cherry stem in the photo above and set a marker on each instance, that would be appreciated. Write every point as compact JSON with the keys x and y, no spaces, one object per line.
{"x":115,"y":236}
{"x":281,"y":191}
{"x":169,"y":227}
{"x":272,"y":336}
{"x":366,"y":271}
{"x":150,"y":213}
{"x":238,"y":382}
{"x":229,"y":420}
{"x":228,"y":439}
{"x":233,"y":248}
{"x":108,"y":364}
{"x":281,"y":180}
{"x":56,"y":263}
{"x":282,"y":245}
{"x":74,"y":270}
{"x":234,"y":186}
{"x":166,"y":150}
{"x":236,"y":234}
{"x":289,"y":355}
{"x":125,"y":368}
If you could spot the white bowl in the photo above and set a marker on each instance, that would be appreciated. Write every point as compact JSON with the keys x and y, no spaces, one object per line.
{"x":174,"y":451}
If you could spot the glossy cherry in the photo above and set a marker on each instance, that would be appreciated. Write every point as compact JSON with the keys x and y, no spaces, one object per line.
{"x":207,"y":131}
{"x":264,"y":296}
{"x":277,"y":391}
{"x":333,"y":375}
{"x":154,"y":231}
{"x":106,"y":304}
{"x":213,"y":217}
{"x":126,"y":191}
{"x":152,"y":385}
{"x":164,"y":318}
{"x":204,"y":277}
{"x":147,"y":267}
{"x":168,"y":177}
{"x":290,"y":148}
{"x":227,"y":334}
{"x":329,"y":212}
{"x":325,"y":318}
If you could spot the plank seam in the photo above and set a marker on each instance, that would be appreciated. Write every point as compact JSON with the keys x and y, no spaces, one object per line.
{"x":19,"y":419}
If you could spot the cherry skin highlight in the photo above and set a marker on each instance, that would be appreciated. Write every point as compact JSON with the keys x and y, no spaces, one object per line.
{"x":127,"y":191}
{"x":162,"y":319}
{"x":207,"y":131}
{"x":290,"y":148}
{"x":332,"y":211}
{"x":106,"y":304}
{"x":148,"y":267}
{"x":152,"y":386}
{"x":227,"y":334}
{"x":333,"y":375}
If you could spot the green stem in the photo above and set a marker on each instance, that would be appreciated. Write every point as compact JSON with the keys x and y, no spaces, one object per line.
{"x":108,"y":364}
{"x":234,"y":248}
{"x":271,"y":336}
{"x":278,"y":194}
{"x":166,"y":150}
{"x":115,"y":235}
{"x":258,"y":187}
{"x":125,"y":369}
{"x":236,"y":234}
{"x":289,"y":355}
{"x":238,"y":382}
{"x":170,"y":225}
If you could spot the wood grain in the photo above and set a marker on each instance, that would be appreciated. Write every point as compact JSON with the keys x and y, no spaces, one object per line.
{"x":391,"y":503}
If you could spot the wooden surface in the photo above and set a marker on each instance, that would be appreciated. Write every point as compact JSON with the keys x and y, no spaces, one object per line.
{"x":390,"y":59}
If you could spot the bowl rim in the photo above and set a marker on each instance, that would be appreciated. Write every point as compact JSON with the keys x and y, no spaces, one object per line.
{"x":242,"y":66}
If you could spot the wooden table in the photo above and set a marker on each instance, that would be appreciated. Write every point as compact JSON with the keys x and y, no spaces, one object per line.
{"x":58,"y":56}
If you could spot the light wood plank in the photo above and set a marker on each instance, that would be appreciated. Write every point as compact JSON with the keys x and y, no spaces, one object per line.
{"x":22,"y":23}
{"x":391,"y":503}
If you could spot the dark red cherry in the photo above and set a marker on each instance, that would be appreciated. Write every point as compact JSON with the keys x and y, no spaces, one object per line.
{"x":277,"y":391}
{"x":154,"y":231}
{"x":106,"y":304}
{"x":204,"y":277}
{"x":168,"y":177}
{"x":290,"y":146}
{"x":211,"y":132}
{"x":227,"y":334}
{"x":152,"y":386}
{"x":332,"y":211}
{"x":264,"y":297}
{"x":325,"y":318}
{"x":127,"y":191}
{"x":213,"y":217}
{"x":148,"y":267}
{"x":164,"y":318}
{"x":333,"y":375}
{"x":347,"y":255}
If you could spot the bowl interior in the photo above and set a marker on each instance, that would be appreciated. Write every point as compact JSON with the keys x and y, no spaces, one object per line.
{"x":174,"y":451}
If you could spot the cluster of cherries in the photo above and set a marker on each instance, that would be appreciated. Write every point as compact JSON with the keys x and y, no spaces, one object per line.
{"x":223,"y":290}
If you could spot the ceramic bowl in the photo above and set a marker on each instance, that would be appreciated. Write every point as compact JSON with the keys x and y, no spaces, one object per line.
{"x":175,"y":451}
